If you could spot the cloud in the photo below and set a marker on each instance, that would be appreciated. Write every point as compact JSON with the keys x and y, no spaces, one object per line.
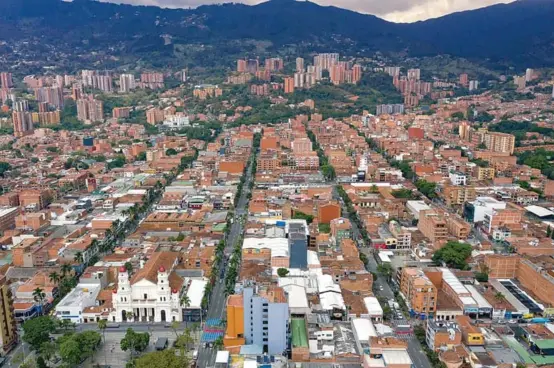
{"x":392,"y":10}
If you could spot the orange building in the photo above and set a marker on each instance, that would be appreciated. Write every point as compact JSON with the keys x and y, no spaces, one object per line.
{"x":36,"y":198}
{"x":420,"y":293}
{"x":268,"y":143}
{"x":231,"y":167}
{"x":7,"y":217}
{"x":328,"y":212}
{"x":33,"y":221}
{"x":433,"y":226}
{"x":289,"y":85}
{"x":234,"y":333}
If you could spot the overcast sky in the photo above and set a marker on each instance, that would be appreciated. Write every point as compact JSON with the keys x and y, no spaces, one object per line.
{"x":393,"y":10}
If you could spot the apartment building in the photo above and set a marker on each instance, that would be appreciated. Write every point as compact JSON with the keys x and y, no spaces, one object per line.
{"x":8,"y":327}
{"x":458,"y":194}
{"x":433,"y":226}
{"x":419,"y":292}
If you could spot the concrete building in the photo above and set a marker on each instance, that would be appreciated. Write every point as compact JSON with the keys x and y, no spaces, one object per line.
{"x":8,"y":327}
{"x":442,"y":334}
{"x":7,"y":217}
{"x":266,"y":318}
{"x":126,"y":83}
{"x":433,"y":226}
{"x":6,"y":80}
{"x":90,"y":110}
{"x":288,"y":84}
{"x":419,"y":292}
{"x":300,"y":65}
{"x":475,"y":211}
{"x":22,"y":123}
{"x":176,"y":121}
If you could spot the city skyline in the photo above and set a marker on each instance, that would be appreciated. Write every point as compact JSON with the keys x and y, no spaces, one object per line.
{"x":401,"y":11}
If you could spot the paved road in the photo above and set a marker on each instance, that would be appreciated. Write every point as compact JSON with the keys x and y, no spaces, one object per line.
{"x":415,"y":350}
{"x":206,"y":356}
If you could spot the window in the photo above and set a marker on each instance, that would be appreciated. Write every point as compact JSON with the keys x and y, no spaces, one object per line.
{"x":145,"y":296}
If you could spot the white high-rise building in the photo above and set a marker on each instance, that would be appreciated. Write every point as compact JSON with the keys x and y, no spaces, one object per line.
{"x":126,"y":83}
{"x":266,"y":318}
{"x":529,"y":74}
{"x":299,"y":65}
{"x":299,"y":79}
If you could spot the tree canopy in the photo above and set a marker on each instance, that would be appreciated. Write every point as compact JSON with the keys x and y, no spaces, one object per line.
{"x":37,"y":331}
{"x":453,"y":254}
{"x":162,"y":359}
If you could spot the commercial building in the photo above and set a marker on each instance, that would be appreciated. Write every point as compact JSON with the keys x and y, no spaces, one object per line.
{"x":266,"y":318}
{"x":176,"y":121}
{"x":475,"y":211}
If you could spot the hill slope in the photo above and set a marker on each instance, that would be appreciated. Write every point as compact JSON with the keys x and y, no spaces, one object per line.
{"x":522,"y":32}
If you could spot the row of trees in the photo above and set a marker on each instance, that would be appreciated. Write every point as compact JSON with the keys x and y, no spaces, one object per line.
{"x":326,"y":168}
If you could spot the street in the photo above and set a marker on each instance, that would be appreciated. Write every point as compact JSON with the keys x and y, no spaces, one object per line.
{"x":382,"y":289}
{"x":216,"y":309}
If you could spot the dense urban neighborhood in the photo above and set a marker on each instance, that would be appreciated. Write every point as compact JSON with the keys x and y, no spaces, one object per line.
{"x":309,"y":209}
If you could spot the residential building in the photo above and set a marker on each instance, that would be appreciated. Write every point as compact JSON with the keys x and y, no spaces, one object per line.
{"x":433,"y":226}
{"x":8,"y":327}
{"x":126,"y":83}
{"x":90,"y":110}
{"x":121,"y":112}
{"x":300,"y":65}
{"x":289,"y":84}
{"x":442,"y":334}
{"x":419,"y":292}
{"x":22,"y":123}
{"x":457,"y":195}
{"x":499,"y":142}
{"x":7,"y":217}
{"x":341,"y":229}
{"x":6,"y":80}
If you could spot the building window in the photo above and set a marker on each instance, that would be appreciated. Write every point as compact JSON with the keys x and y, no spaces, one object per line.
{"x":145,"y":296}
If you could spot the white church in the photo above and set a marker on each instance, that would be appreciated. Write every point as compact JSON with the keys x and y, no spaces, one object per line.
{"x":152,"y":294}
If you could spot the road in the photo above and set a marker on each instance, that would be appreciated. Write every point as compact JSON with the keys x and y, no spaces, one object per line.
{"x":206,"y":356}
{"x":383,"y":290}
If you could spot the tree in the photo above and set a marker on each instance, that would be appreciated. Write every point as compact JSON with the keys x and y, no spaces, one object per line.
{"x":298,"y":215}
{"x":66,"y":269}
{"x":135,"y":342}
{"x":183,"y":341}
{"x":453,"y":254}
{"x":48,"y":350}
{"x":282,"y":272}
{"x":70,"y":352}
{"x":141,"y":156}
{"x":102,"y":325}
{"x":54,"y":277}
{"x":128,"y":267}
{"x":324,"y":228}
{"x":4,"y":166}
{"x":78,"y":257}
{"x":37,"y":331}
{"x":185,"y":300}
{"x":218,"y":343}
{"x":548,"y":232}
{"x":499,"y":297}
{"x":39,"y":296}
{"x":426,"y":188}
{"x":162,"y":359}
{"x":171,"y":152}
{"x":385,"y":270}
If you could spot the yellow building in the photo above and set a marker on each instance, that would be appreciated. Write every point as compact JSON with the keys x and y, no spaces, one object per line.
{"x":8,"y":332}
{"x":234,"y":335}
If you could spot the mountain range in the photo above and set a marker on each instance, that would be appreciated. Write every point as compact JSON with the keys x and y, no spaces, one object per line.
{"x":520,"y":33}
